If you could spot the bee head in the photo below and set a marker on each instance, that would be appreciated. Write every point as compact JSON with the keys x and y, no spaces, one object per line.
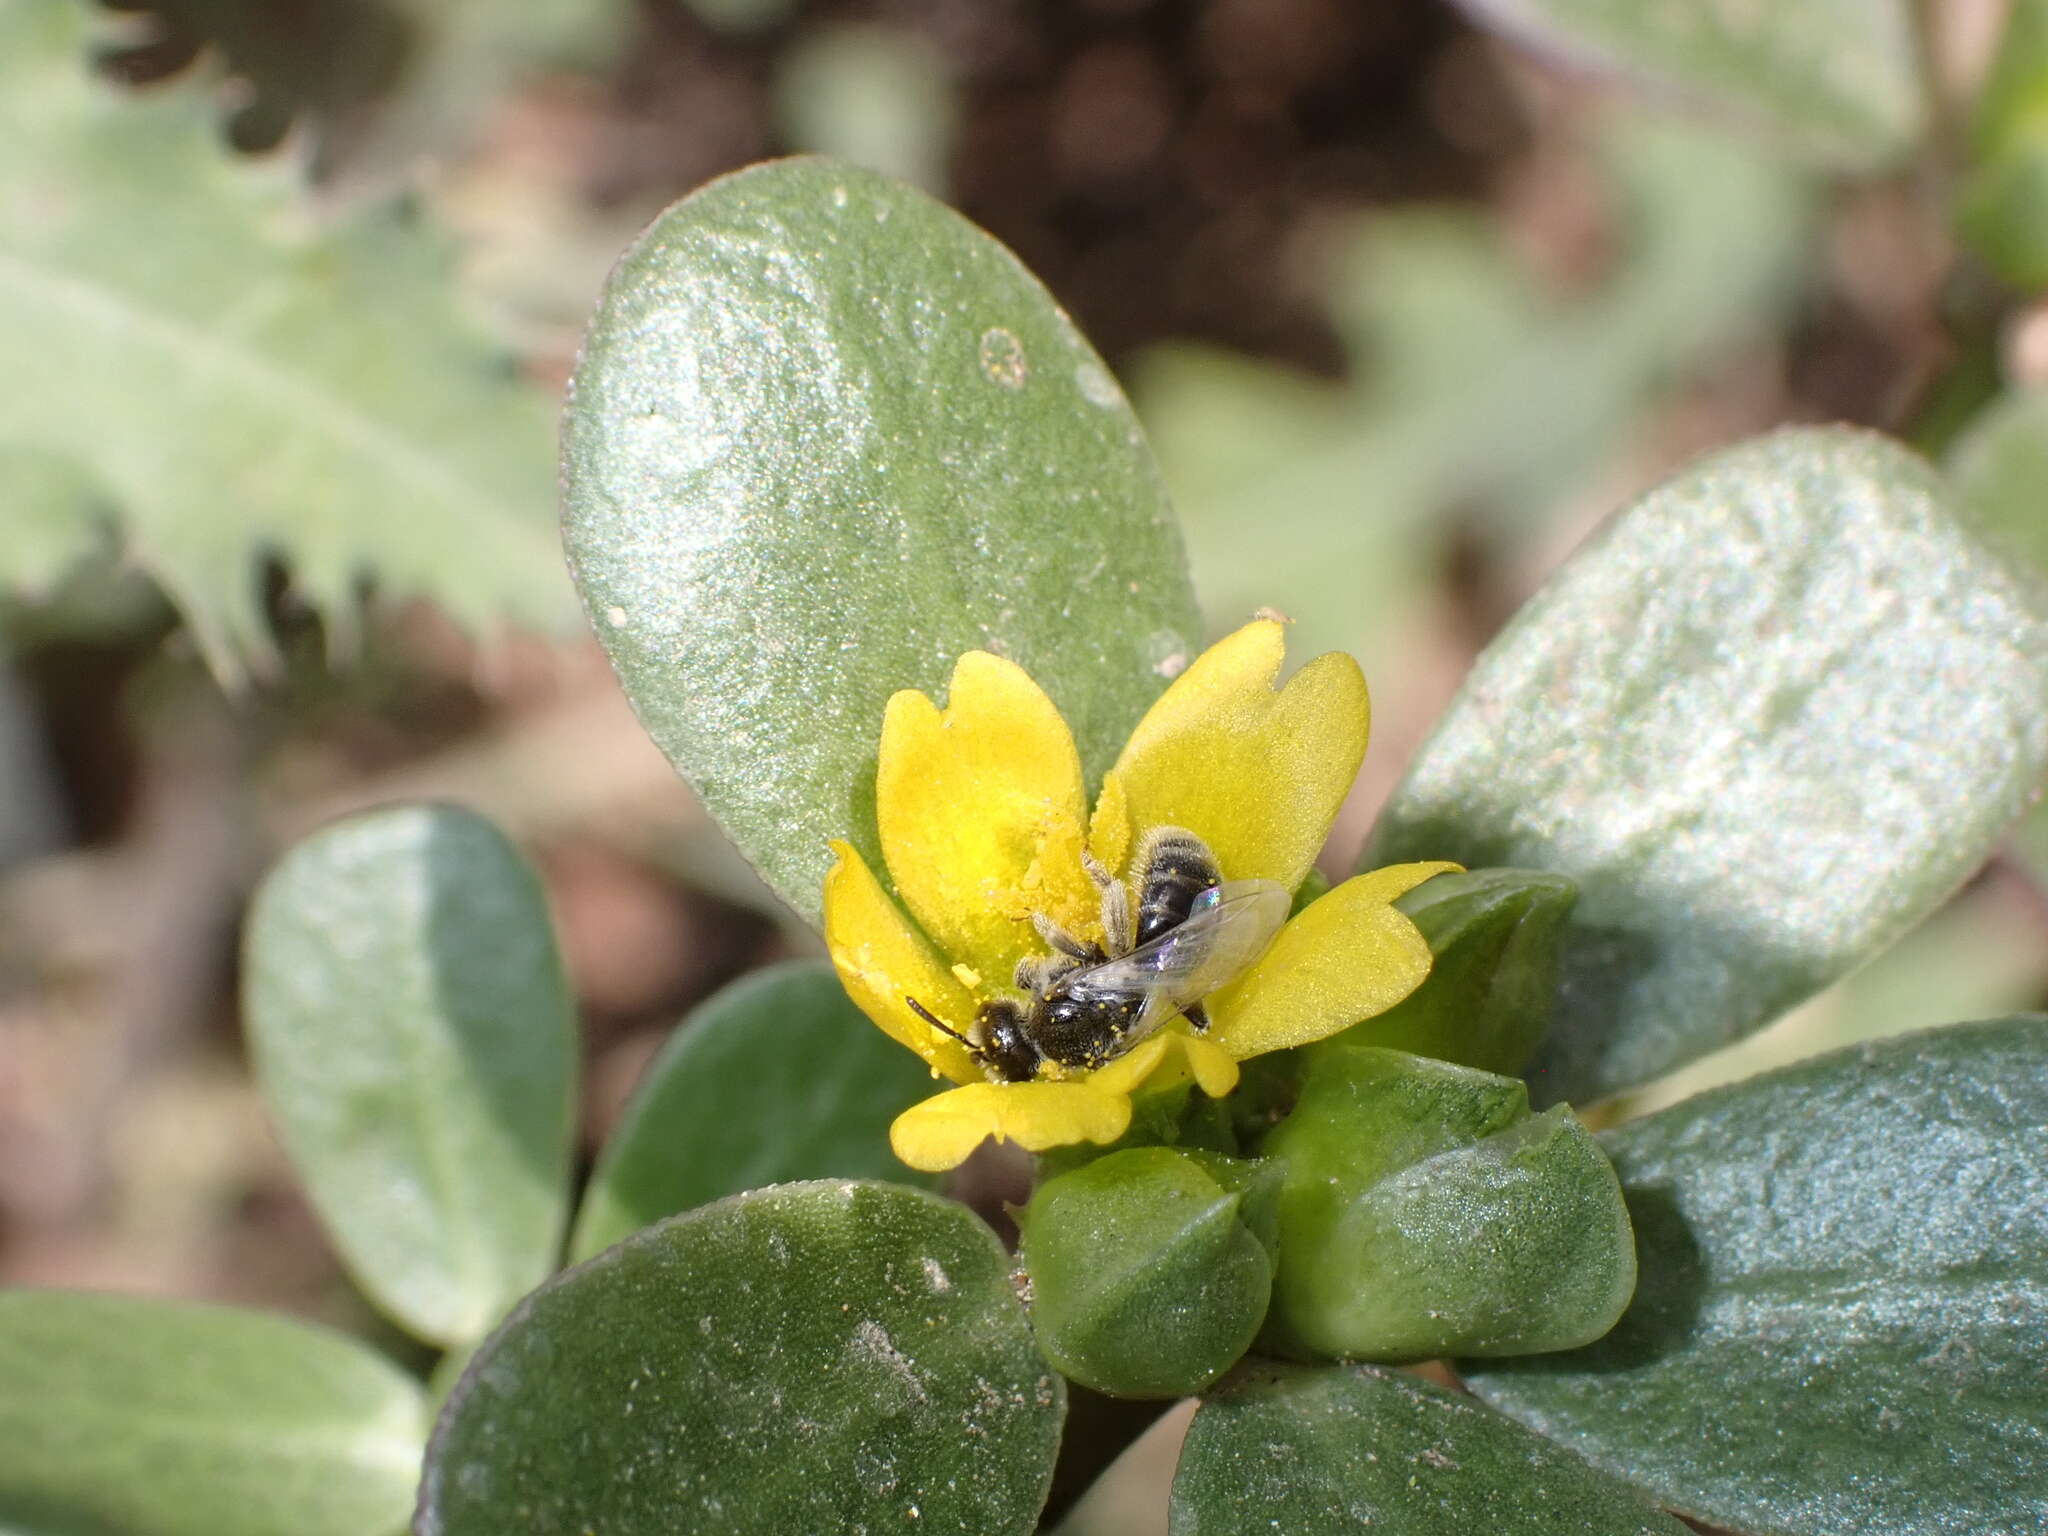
{"x":1006,"y":1046}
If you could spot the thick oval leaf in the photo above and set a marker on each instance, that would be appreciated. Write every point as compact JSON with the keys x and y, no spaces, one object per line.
{"x":1773,"y":715}
{"x":1842,"y":1320}
{"x":777,"y":1078}
{"x":1335,"y":1451}
{"x":815,"y":1357}
{"x":414,"y":1037}
{"x":1836,"y":81}
{"x":826,"y":435}
{"x":1147,"y":1277}
{"x":155,"y":1418}
{"x":1424,"y":1212}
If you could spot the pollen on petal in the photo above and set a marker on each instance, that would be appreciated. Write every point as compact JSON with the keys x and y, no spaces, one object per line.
{"x":980,"y":806}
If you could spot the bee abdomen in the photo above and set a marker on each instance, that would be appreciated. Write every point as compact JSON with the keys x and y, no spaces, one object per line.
{"x":1173,"y":867}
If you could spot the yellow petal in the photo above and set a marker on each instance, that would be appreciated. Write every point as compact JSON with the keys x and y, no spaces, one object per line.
{"x":1213,"y":1068}
{"x":1258,"y":775}
{"x":881,"y":960}
{"x":1125,"y":1072}
{"x":1109,"y":829}
{"x":980,"y":808}
{"x":1344,"y":957}
{"x":1197,"y":1059}
{"x":939,"y":1133}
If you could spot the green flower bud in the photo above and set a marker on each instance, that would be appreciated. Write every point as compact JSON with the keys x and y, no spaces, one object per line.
{"x":1424,"y":1211}
{"x":1148,"y":1271}
{"x":1488,"y":999}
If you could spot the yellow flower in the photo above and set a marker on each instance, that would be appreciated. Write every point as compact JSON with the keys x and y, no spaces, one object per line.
{"x":983,"y":821}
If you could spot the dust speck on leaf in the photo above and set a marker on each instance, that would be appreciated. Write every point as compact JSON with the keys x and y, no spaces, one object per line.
{"x":1002,"y":358}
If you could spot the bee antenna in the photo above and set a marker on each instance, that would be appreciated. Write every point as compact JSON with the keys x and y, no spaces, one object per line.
{"x":938,"y":1023}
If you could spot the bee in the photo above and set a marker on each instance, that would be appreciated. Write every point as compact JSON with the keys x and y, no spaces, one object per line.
{"x":1190,"y":933}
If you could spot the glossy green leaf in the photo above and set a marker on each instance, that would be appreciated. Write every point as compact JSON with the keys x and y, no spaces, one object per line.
{"x":121,"y":1416}
{"x":1424,"y":1211}
{"x":1330,"y":1452}
{"x":235,"y":380}
{"x":414,"y":1037}
{"x":1733,"y":718}
{"x":826,"y":435}
{"x":1842,"y":1323}
{"x":1836,"y":81}
{"x":777,"y":1078}
{"x":814,"y":1357}
{"x":1147,"y":1278}
{"x":1494,"y":935}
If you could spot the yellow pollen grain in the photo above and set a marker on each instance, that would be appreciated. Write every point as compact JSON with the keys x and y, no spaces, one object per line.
{"x":969,"y":977}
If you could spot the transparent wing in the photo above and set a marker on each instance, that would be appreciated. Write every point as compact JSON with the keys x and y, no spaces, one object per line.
{"x":1228,"y":928}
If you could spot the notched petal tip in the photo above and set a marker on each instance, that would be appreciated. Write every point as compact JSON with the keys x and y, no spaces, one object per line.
{"x":1257,"y":773}
{"x":980,"y":808}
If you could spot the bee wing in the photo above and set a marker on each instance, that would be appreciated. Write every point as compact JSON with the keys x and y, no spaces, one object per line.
{"x":1230,"y":926}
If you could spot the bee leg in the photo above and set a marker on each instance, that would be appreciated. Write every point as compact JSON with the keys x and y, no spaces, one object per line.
{"x":1035,"y":973}
{"x":1058,"y":938}
{"x":1197,"y":1017}
{"x":1119,"y":932}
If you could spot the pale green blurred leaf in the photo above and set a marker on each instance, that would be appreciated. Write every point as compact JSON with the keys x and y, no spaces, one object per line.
{"x":415,"y":1038}
{"x":1734,"y":718}
{"x":776,"y":1078}
{"x":876,"y":96}
{"x":1842,"y":1318}
{"x":235,"y":381}
{"x":1836,"y":81}
{"x":121,"y":1416}
{"x":1476,"y":388}
{"x":826,"y":435}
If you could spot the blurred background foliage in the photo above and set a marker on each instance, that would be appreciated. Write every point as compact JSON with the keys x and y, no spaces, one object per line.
{"x":1408,"y":296}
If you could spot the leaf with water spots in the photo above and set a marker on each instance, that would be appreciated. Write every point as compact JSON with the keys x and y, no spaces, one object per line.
{"x":813,"y":1357}
{"x":827,"y":435}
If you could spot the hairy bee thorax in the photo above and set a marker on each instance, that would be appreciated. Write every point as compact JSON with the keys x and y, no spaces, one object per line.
{"x":1089,"y":1003}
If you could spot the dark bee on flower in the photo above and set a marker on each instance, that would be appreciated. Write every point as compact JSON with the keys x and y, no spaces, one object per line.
{"x":1191,"y":933}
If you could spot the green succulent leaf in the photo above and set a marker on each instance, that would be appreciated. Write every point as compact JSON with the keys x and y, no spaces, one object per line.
{"x":156,"y":1418}
{"x":1329,"y":1452}
{"x":777,"y":1078}
{"x":1147,"y":1276}
{"x":1732,"y":718}
{"x":1424,"y":1211}
{"x":1494,"y":935}
{"x":1836,"y":81}
{"x":1842,"y":1322}
{"x":233,"y":380}
{"x":2000,"y":211}
{"x":1999,"y":464}
{"x":826,"y":436}
{"x":414,"y":1037}
{"x":814,"y":1357}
